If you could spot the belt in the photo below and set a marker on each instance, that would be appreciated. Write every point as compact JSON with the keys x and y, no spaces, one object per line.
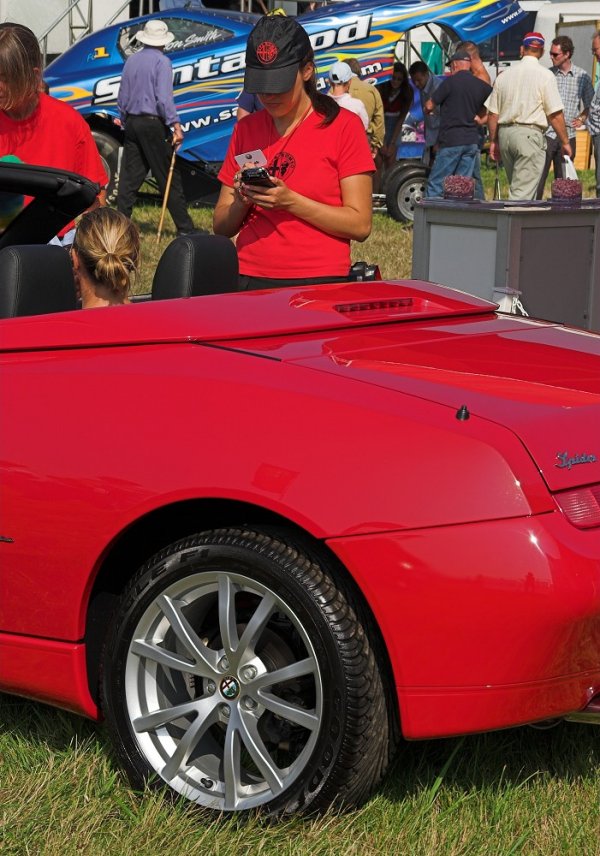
{"x":522,"y":125}
{"x":145,"y":116}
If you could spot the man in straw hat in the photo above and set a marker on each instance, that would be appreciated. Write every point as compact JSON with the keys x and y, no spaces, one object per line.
{"x":147,"y":113}
{"x":524,"y":101}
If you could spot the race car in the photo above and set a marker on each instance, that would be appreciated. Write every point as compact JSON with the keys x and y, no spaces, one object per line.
{"x":208,"y":72}
{"x":266,"y":534}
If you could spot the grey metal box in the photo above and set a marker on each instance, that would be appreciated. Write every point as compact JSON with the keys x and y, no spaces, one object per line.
{"x":548,"y":253}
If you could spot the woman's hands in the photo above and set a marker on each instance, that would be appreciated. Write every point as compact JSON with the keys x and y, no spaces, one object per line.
{"x":232,"y":207}
{"x":238,"y":190}
{"x":279,"y":196}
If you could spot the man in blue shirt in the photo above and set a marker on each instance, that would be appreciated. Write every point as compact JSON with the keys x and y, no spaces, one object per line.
{"x":148,"y":112}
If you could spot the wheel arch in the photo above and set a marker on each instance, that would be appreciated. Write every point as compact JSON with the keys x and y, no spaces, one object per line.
{"x":168,"y":524}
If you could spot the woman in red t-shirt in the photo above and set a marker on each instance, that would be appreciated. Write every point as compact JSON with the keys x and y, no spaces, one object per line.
{"x":36,"y":128}
{"x":318,"y":157}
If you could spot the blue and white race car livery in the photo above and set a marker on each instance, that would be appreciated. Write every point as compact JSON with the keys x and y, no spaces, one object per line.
{"x":208,"y":56}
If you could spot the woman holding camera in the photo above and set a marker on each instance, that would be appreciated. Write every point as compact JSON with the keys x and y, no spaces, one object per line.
{"x":298,"y":230}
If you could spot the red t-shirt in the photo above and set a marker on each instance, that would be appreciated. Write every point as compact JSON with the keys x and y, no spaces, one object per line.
{"x":311,"y":160}
{"x":54,"y":135}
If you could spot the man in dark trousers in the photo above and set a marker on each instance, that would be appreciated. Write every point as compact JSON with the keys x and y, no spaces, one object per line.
{"x":460,"y":98}
{"x":148,"y":112}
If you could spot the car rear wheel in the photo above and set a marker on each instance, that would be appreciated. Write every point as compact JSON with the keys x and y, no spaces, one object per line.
{"x":404,"y":187}
{"x":109,"y":150}
{"x":238,"y":674}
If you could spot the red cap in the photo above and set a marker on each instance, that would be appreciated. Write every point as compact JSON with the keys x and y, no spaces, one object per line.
{"x":534,"y":40}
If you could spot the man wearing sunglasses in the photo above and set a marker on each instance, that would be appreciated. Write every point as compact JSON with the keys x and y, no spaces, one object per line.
{"x":576,"y":90}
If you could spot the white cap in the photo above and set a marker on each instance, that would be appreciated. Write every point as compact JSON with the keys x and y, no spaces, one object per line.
{"x":155,"y":33}
{"x":340,"y":72}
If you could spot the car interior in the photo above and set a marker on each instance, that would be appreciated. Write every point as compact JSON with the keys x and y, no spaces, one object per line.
{"x":190,"y":266}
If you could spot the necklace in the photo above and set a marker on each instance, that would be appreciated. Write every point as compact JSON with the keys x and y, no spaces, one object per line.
{"x":285,"y":139}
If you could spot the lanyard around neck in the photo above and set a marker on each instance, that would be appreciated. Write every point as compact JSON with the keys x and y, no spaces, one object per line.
{"x":285,"y":139}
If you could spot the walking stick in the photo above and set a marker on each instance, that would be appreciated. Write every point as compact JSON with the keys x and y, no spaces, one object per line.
{"x":166,"y":198}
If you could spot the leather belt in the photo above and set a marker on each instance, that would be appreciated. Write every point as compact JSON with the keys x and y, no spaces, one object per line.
{"x":522,"y":125}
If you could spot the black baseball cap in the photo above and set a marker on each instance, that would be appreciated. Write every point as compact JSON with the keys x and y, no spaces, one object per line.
{"x":276,"y":47}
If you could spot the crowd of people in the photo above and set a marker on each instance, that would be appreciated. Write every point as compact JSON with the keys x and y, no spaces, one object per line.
{"x":528,"y":118}
{"x":319,"y":155}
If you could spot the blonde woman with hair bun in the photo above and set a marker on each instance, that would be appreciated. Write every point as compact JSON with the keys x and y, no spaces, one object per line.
{"x":106,"y":257}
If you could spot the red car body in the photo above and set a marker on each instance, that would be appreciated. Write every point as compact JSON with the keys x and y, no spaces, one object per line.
{"x":263,"y":533}
{"x":336,"y":410}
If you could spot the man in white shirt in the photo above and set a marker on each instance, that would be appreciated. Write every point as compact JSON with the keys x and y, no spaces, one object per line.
{"x":340,"y":75}
{"x":524,"y":101}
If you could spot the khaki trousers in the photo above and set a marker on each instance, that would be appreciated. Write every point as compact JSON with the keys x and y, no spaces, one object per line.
{"x":523,"y":152}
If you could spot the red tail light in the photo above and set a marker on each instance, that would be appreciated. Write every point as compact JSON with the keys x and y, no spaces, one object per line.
{"x":581,"y":507}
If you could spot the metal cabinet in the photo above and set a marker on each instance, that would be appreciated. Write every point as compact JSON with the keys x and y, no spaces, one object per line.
{"x":546,"y":254}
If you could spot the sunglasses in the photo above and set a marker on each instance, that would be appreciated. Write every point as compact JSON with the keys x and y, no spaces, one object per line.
{"x":556,"y":54}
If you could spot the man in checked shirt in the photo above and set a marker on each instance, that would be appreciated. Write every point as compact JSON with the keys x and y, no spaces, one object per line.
{"x":576,"y":90}
{"x":593,"y":119}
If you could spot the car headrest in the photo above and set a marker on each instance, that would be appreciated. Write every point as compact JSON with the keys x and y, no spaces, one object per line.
{"x":34,"y":280}
{"x":195,"y":265}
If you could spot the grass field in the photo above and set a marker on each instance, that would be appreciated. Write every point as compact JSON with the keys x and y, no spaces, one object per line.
{"x":521,"y":791}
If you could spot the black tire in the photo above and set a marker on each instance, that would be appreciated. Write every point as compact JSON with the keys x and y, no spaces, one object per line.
{"x":404,"y":187}
{"x":109,"y":149}
{"x":315,"y":735}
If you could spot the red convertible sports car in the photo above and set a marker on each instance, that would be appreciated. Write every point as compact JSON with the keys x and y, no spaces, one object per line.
{"x":266,"y":535}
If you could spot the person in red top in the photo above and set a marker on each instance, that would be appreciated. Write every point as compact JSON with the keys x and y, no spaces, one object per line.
{"x":299,"y":230}
{"x":35,"y":127}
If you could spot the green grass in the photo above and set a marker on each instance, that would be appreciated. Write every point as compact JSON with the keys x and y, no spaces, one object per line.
{"x":521,"y":791}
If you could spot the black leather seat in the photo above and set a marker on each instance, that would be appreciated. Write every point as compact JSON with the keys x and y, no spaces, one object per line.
{"x":195,"y":265}
{"x":34,"y":280}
